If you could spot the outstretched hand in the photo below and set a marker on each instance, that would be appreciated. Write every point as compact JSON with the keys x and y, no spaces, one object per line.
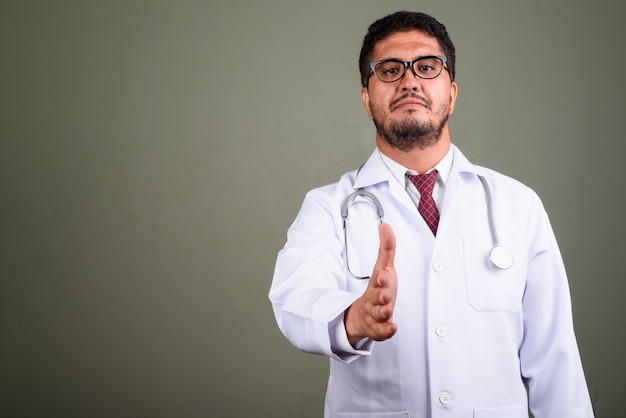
{"x":371,"y":315}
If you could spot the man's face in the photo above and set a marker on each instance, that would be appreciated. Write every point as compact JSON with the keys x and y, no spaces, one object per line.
{"x":411,"y":112}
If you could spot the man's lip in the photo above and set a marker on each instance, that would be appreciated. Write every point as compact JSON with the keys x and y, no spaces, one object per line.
{"x":411,"y":102}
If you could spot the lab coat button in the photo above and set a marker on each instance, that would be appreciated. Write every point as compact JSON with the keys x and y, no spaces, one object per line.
{"x":437,"y":266}
{"x":445,"y":398}
{"x":441,"y":331}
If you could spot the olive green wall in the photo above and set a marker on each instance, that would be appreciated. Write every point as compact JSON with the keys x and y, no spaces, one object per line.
{"x":153,"y":154}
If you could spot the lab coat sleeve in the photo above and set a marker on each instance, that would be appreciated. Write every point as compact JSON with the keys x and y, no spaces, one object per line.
{"x":550,"y":361}
{"x":308,"y":291}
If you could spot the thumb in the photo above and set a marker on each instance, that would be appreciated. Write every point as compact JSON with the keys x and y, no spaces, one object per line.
{"x":387,"y":249}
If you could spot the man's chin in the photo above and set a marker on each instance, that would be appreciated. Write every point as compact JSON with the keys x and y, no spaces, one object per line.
{"x":410,"y":134}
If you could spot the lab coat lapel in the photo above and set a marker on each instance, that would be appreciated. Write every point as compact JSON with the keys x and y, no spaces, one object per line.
{"x":374,"y":172}
{"x":462,"y":172}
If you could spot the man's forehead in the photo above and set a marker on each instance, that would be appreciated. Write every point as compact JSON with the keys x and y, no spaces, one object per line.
{"x":407,"y":41}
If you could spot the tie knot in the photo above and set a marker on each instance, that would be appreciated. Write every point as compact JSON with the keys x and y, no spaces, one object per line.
{"x":424,"y":183}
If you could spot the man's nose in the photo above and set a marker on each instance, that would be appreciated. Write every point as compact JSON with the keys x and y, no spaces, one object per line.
{"x":410,"y":81}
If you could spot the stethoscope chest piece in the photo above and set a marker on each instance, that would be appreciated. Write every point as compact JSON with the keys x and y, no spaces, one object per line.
{"x":501,"y":258}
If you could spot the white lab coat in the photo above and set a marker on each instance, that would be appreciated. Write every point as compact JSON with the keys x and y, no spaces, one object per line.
{"x":469,"y":336}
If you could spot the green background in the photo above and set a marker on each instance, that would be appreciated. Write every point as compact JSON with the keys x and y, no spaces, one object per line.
{"x":154,"y":153}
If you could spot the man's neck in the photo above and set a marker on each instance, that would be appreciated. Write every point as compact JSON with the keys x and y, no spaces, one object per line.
{"x":420,"y":160}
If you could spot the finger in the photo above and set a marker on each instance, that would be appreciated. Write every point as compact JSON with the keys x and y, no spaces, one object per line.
{"x":387,"y":249}
{"x":383,"y":294}
{"x":383,"y":313}
{"x":384,"y":331}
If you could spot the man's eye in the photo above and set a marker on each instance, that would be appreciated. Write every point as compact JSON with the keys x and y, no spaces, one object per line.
{"x":389,"y":68}
{"x":428,"y":67}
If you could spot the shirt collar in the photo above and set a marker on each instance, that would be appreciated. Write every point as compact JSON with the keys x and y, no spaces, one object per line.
{"x":378,"y":168}
{"x":443,"y":167}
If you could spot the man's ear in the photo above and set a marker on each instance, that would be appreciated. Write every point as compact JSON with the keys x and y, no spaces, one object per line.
{"x":365,"y":97}
{"x":454,"y":88}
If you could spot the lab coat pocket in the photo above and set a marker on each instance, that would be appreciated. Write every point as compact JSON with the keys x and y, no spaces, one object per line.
{"x":508,"y":412}
{"x":490,"y":288}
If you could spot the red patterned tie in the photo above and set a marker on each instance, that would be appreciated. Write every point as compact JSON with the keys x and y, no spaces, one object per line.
{"x":426,"y":207}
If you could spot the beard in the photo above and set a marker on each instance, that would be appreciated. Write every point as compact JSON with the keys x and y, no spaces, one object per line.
{"x":408,"y":134}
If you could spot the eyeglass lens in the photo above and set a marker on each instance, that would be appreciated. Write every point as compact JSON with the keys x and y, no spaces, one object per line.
{"x":390,"y":71}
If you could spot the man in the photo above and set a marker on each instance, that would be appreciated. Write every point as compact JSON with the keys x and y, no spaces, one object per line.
{"x":428,"y":326}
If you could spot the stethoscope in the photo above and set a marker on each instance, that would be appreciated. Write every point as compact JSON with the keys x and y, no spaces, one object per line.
{"x":500,"y":257}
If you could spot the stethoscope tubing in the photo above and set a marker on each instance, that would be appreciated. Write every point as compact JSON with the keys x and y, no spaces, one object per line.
{"x":500,"y":257}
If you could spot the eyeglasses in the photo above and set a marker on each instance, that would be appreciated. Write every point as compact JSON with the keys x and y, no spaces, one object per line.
{"x":392,"y":70}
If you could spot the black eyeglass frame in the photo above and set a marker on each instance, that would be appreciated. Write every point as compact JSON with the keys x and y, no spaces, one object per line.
{"x":410,"y":64}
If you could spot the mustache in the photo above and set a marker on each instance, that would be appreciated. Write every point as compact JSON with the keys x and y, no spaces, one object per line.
{"x":407,"y":95}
